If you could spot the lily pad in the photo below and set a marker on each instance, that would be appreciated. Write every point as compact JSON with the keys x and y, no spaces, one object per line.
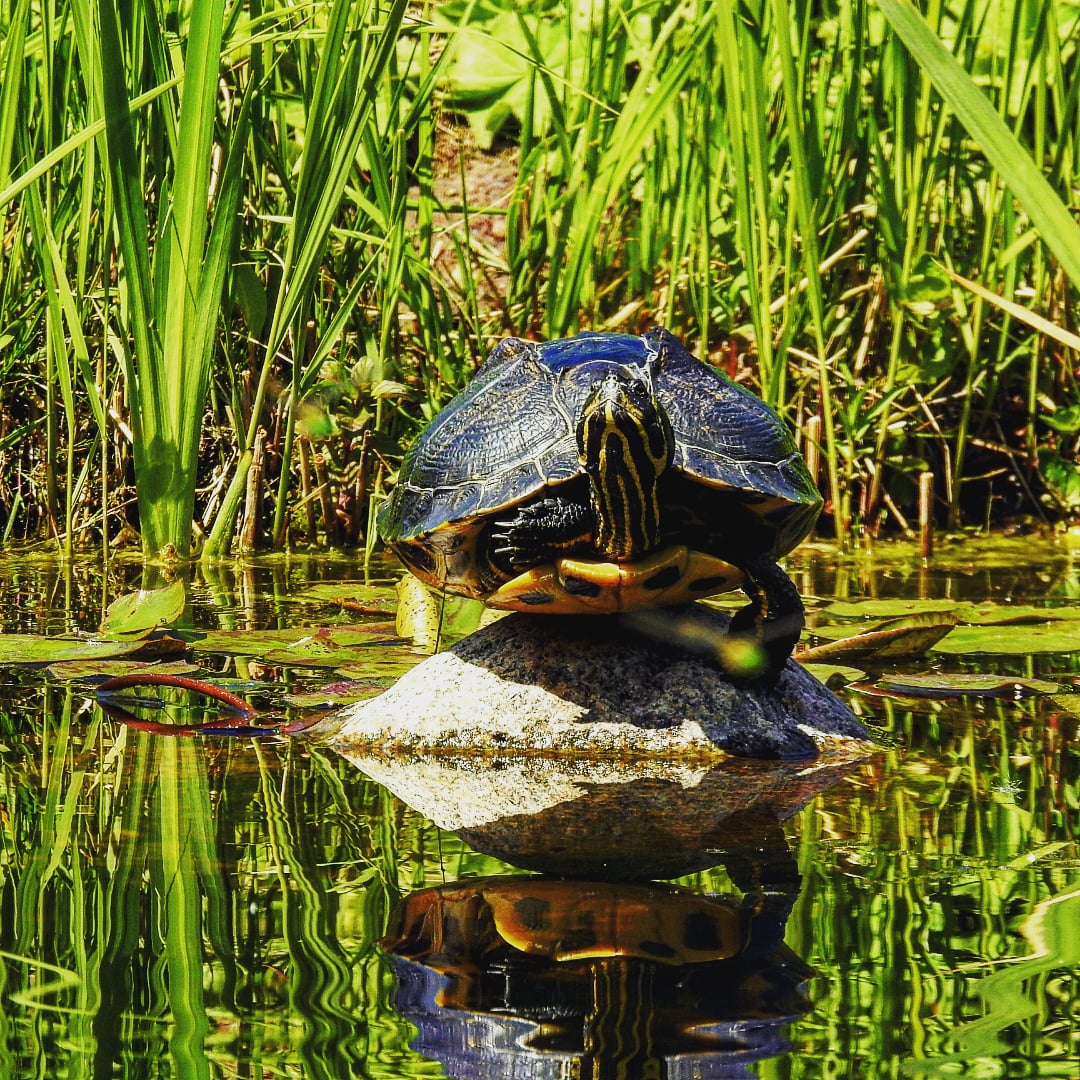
{"x":334,"y":695}
{"x":322,"y":650}
{"x":1009,"y":640}
{"x":351,"y":595}
{"x":431,"y":619}
{"x":980,"y":614}
{"x":956,"y":684}
{"x":991,"y":614}
{"x":260,"y":643}
{"x":382,"y":663}
{"x":833,"y":674}
{"x":887,"y":609}
{"x":896,"y":639}
{"x":67,"y":670}
{"x":136,"y":614}
{"x":36,"y":649}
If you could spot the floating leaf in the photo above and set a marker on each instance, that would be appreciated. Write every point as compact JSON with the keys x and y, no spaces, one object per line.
{"x":36,"y":649}
{"x":986,"y":613}
{"x":887,"y":609}
{"x":955,"y":684}
{"x":382,"y":663}
{"x":355,"y":596}
{"x":325,"y":649}
{"x":898,"y":639}
{"x":991,"y":614}
{"x":160,"y":644}
{"x":67,"y":670}
{"x":136,"y":614}
{"x":260,"y":643}
{"x":418,"y":610}
{"x":833,"y":674}
{"x":1011,"y":640}
{"x":335,"y":695}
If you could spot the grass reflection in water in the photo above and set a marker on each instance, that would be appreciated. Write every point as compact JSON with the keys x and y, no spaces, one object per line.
{"x":212,"y":907}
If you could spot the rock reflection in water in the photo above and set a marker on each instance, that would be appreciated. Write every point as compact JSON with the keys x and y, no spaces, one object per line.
{"x":536,"y":977}
{"x":602,"y":972}
{"x":609,"y":820}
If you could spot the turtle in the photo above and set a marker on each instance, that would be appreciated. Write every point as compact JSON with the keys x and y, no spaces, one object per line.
{"x":604,"y":473}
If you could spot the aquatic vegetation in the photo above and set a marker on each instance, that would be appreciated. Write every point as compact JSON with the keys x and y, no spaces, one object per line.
{"x":199,"y":905}
{"x":234,"y":303}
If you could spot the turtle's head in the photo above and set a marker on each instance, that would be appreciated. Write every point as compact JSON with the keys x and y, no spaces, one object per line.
{"x":624,"y":444}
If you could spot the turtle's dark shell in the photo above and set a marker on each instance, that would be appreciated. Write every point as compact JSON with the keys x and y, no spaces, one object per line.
{"x":738,"y":486}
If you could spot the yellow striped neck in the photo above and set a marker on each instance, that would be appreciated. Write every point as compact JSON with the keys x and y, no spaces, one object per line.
{"x":625,"y":445}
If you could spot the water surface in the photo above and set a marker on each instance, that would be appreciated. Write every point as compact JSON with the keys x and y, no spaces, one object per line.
{"x":213,"y":906}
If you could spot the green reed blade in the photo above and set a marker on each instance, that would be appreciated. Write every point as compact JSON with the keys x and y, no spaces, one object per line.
{"x":92,"y":130}
{"x":11,"y":81}
{"x":745,"y":112}
{"x":132,"y":234}
{"x":645,"y":108}
{"x":1051,"y":216}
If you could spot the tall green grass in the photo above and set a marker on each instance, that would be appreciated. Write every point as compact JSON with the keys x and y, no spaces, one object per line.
{"x":233,"y":285}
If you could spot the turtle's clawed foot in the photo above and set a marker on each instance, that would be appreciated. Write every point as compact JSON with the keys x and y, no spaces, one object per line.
{"x":540,"y":531}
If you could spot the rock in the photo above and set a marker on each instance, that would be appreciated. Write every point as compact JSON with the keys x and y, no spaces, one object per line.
{"x":599,"y":687}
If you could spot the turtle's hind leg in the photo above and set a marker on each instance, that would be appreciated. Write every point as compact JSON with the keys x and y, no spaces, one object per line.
{"x":774,"y":619}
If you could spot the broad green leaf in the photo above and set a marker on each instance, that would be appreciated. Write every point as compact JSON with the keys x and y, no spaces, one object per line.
{"x":34,"y":649}
{"x":136,"y":614}
{"x":353,"y":595}
{"x":68,"y":670}
{"x":295,"y":641}
{"x":952,"y":684}
{"x":323,"y":650}
{"x":893,"y":640}
{"x":1065,"y":419}
{"x":383,"y":663}
{"x":1061,"y":476}
{"x":434,"y":620}
{"x":831,"y":674}
{"x":986,"y":613}
{"x":418,"y":612}
{"x":1010,"y":640}
{"x":887,"y":609}
{"x":991,"y":614}
{"x":927,"y":287}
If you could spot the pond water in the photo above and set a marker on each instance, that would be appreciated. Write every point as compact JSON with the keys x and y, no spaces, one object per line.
{"x":257,"y":906}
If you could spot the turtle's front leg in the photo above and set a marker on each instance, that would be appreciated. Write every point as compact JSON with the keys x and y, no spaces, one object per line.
{"x":541,"y":531}
{"x":774,"y":618}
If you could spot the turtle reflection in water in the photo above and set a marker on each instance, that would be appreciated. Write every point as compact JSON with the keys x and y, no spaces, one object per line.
{"x":618,"y":977}
{"x":603,"y":473}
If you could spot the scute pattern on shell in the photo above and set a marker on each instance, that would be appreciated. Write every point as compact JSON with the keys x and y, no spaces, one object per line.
{"x":510,"y":434}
